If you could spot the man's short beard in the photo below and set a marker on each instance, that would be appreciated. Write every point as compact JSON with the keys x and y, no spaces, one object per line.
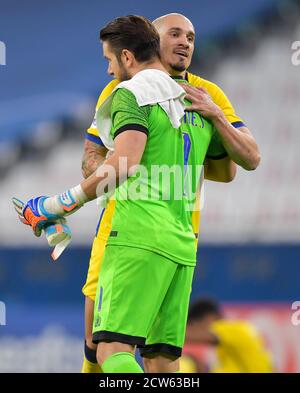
{"x":124,"y":76}
{"x":178,"y":67}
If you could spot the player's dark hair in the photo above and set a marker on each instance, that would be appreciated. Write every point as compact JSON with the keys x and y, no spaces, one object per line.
{"x":203,"y":307}
{"x":135,"y":33}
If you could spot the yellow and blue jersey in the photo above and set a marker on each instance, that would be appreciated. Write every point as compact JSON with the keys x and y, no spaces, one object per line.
{"x":92,"y":133}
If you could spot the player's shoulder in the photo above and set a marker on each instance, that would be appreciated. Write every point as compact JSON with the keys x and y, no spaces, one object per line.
{"x":225,"y":325}
{"x":246,"y":328}
{"x":124,"y":96}
{"x":124,"y":101}
{"x":233,"y":332}
{"x":197,"y":81}
{"x":106,"y":92}
{"x":238,"y":327}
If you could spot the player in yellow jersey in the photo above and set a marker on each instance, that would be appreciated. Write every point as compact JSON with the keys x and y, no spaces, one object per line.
{"x":177,"y":45}
{"x":239,"y":347}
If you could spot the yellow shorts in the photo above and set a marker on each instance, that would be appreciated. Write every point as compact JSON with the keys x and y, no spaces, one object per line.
{"x":90,"y":287}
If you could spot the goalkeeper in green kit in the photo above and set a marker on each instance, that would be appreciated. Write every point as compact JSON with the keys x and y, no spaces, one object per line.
{"x":153,"y":173}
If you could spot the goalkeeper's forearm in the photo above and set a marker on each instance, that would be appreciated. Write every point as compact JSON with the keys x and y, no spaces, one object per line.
{"x":129,"y":149}
{"x":105,"y":178}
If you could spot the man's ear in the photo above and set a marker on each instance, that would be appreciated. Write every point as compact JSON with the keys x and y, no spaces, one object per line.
{"x":128,"y":57}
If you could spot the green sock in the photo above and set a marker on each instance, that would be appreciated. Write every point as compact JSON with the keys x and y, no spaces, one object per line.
{"x":121,"y":362}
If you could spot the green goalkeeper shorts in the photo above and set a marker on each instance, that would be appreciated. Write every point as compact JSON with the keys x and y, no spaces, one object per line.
{"x":142,"y":299}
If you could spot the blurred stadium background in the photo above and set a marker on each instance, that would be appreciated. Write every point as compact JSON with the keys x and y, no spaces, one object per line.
{"x":249,"y":252}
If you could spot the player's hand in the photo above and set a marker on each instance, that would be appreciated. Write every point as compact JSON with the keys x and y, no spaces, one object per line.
{"x":32,"y":213}
{"x":201,"y":102}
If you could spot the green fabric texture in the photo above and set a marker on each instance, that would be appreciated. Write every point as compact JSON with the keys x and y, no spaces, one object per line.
{"x":142,"y":295}
{"x":160,"y":217}
{"x":125,"y":110}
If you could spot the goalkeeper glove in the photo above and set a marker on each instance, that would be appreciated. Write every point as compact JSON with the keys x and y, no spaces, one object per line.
{"x":57,"y":232}
{"x":38,"y":212}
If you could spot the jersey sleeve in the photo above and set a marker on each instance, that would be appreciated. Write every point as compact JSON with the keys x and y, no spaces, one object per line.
{"x":216,"y":150}
{"x":126,"y":114}
{"x":92,"y":133}
{"x":219,"y":98}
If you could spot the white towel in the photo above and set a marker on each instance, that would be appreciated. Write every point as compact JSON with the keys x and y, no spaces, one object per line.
{"x":149,"y":87}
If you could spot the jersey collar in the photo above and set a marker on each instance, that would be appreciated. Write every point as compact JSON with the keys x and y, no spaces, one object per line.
{"x":186,"y":77}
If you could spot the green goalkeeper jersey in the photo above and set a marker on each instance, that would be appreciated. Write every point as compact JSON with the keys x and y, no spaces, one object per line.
{"x":154,"y":206}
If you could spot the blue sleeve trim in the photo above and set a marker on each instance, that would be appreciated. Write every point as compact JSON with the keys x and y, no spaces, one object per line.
{"x":99,"y":222}
{"x":95,"y":139}
{"x":238,"y":124}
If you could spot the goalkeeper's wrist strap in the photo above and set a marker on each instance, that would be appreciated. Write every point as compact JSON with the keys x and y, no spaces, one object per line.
{"x":66,"y":203}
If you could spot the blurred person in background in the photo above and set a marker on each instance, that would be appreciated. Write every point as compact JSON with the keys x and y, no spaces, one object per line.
{"x":238,"y":345}
{"x":177,"y":36}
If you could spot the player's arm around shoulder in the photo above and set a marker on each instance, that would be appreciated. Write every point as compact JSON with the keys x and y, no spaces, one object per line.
{"x":210,"y":101}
